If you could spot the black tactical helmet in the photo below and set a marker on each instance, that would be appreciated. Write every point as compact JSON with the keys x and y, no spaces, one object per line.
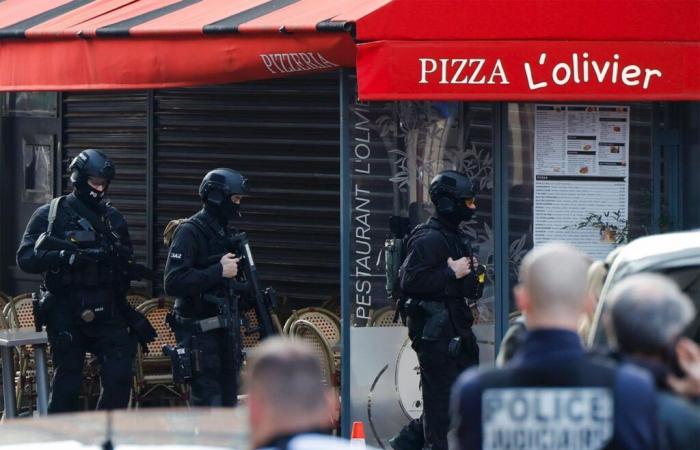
{"x":90,"y":163}
{"x":449,"y":191}
{"x":218,"y":186}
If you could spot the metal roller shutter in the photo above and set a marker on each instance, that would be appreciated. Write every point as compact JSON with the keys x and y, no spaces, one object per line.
{"x":284,"y":136}
{"x":117,"y":124}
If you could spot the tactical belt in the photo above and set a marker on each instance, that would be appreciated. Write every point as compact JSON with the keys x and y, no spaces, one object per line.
{"x":199,"y":325}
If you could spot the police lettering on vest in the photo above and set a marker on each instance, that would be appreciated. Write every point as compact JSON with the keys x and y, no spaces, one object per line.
{"x":547,"y":418}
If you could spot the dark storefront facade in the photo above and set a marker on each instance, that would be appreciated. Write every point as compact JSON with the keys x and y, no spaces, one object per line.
{"x":283,"y":134}
{"x":331,"y":157}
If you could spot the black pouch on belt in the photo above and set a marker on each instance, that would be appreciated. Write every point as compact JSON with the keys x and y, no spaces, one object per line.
{"x":438,"y":319}
{"x":181,"y":362}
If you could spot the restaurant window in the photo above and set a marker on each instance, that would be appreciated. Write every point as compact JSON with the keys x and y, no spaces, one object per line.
{"x":395,"y":149}
{"x":408,"y":144}
{"x":30,"y":104}
{"x":38,"y":163}
{"x":589,"y":166}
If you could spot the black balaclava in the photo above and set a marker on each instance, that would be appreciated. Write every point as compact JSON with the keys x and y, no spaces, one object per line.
{"x":216,"y":190}
{"x":90,"y":163}
{"x":448,"y":192}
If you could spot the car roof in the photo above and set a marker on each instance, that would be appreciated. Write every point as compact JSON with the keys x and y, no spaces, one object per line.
{"x":661,"y":250}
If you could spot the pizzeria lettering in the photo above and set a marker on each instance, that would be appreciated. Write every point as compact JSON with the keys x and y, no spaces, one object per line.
{"x":463,"y":71}
{"x":578,"y":69}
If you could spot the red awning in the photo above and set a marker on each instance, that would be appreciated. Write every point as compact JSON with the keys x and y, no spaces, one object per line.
{"x":403,"y":49}
{"x":128,"y":44}
{"x":529,"y":50}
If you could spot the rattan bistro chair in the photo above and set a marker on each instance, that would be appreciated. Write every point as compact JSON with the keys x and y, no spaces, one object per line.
{"x":311,"y":335}
{"x":327,"y":323}
{"x":18,"y":313}
{"x":135,"y":300}
{"x":153,"y":374}
{"x":384,"y":317}
{"x":252,"y":339}
{"x":4,"y":300}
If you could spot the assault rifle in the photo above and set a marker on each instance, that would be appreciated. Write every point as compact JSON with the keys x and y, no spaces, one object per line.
{"x":82,"y":244}
{"x":248,"y":282}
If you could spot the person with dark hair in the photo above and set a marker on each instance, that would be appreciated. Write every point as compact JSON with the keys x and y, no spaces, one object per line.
{"x":81,"y":246}
{"x":552,"y":394}
{"x":646,"y":318}
{"x":197,"y":282}
{"x":440,"y":277}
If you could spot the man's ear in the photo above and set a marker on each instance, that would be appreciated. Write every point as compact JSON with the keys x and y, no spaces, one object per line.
{"x":255,"y":406}
{"x":522,"y":298}
{"x":332,"y":406}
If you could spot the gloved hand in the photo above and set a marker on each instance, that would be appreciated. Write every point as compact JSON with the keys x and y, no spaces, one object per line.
{"x":55,"y":258}
{"x":141,"y":328}
{"x":77,"y":259}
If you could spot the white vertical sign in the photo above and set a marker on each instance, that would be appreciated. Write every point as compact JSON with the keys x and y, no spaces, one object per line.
{"x":581,"y":169}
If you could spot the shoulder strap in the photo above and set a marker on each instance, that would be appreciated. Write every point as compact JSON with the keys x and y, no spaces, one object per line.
{"x":463,"y":248}
{"x":203,"y":227}
{"x":424,"y":226}
{"x":53,"y":212}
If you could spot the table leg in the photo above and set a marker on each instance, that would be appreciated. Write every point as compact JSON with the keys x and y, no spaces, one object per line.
{"x":42,"y":382}
{"x":8,"y":382}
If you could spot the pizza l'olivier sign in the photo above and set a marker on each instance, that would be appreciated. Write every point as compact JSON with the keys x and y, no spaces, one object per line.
{"x":576,"y":69}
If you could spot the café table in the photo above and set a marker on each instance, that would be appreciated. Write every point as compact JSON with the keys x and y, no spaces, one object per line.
{"x":20,"y":337}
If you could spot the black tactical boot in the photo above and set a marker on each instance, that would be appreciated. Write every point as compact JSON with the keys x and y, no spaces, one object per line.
{"x":410,"y":437}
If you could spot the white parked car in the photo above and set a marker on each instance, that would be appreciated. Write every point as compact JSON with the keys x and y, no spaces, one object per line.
{"x":676,"y":255}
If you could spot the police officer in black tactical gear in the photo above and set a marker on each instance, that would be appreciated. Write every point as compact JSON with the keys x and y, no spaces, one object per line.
{"x":81,"y":246}
{"x":203,"y":331}
{"x":440,"y":277}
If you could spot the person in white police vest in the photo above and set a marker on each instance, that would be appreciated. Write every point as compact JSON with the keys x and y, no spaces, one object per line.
{"x":289,"y":407}
{"x":552,"y":395}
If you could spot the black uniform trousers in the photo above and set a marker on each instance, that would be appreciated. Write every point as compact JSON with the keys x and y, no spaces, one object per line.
{"x":438,"y":372}
{"x":215,"y":373}
{"x":109,"y":341}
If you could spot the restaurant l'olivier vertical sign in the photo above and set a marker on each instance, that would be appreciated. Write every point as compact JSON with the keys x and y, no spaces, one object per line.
{"x":529,"y":70}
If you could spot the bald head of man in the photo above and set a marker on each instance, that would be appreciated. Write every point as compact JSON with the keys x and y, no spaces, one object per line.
{"x":552,"y":291}
{"x":286,"y":394}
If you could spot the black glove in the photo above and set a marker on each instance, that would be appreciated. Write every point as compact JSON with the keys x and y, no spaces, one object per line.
{"x":141,"y":328}
{"x":56,"y":258}
{"x":78,"y":259}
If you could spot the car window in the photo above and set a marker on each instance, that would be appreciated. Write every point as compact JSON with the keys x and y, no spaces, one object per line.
{"x":687,"y":278}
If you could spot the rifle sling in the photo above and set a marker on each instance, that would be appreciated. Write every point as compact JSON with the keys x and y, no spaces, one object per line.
{"x":53,"y":211}
{"x":83,"y":211}
{"x":203,"y":325}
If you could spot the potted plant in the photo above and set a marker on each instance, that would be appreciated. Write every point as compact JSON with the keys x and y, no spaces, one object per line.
{"x":611,"y":225}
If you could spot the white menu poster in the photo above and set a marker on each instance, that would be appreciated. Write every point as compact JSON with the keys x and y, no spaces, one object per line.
{"x":581,"y":168}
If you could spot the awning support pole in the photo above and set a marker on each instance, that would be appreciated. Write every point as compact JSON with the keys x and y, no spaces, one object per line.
{"x":345,"y":98}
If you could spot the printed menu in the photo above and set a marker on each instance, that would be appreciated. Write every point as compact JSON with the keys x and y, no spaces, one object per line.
{"x":581,"y":168}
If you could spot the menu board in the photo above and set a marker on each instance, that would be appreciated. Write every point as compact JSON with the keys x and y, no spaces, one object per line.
{"x":581,"y":168}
